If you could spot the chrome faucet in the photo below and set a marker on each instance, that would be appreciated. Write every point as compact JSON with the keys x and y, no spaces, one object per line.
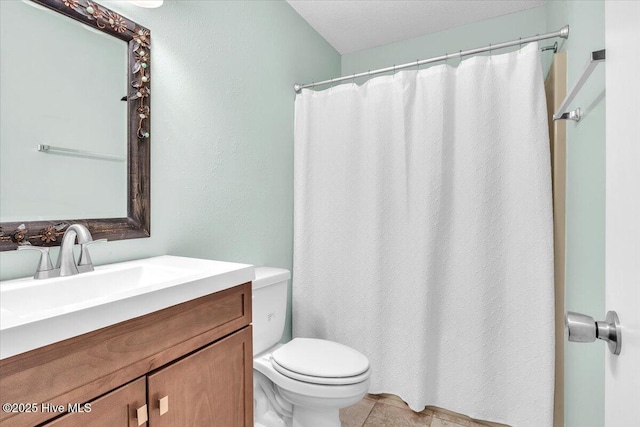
{"x":66,"y":261}
{"x":66,"y":265}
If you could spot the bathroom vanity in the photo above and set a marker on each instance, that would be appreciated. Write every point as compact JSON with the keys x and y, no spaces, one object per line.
{"x":189,"y":363}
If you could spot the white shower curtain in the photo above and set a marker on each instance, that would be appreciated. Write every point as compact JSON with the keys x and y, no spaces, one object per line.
{"x":423,"y":233}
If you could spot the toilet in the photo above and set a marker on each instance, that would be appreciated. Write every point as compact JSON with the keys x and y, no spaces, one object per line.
{"x":304,"y":382}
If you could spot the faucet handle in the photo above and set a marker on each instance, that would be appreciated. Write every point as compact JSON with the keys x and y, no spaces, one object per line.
{"x":84,"y":263}
{"x":45,"y":266}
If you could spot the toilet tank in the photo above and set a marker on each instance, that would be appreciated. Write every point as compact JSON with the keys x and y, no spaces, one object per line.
{"x":269,"y":306}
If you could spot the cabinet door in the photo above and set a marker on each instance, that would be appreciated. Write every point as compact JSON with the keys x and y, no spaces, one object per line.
{"x":116,"y":409}
{"x":212,"y":387}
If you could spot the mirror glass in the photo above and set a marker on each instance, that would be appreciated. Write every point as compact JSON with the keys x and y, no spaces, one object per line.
{"x":62,"y":86}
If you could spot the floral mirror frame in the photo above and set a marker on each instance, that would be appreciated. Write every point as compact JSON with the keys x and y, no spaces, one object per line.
{"x":137,"y":222}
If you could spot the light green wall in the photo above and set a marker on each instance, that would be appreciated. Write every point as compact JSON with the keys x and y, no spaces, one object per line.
{"x":477,"y":34}
{"x":585,"y":239}
{"x":222,"y":131}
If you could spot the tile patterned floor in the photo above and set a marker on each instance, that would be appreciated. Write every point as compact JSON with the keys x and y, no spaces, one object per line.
{"x":386,"y":410}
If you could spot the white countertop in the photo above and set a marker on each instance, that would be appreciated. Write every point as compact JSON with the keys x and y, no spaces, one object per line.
{"x":35,"y":313}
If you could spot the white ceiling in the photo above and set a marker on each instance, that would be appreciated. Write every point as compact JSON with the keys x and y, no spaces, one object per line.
{"x":352,"y":25}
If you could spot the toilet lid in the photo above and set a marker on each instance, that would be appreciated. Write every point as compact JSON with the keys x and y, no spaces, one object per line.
{"x":320,"y":358}
{"x":321,"y":380}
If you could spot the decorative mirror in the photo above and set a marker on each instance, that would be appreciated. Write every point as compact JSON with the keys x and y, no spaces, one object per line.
{"x":75,"y":141}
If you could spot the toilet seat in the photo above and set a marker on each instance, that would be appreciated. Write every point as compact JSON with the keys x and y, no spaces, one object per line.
{"x":318,"y":361}
{"x":320,"y":380}
{"x":263,"y":363}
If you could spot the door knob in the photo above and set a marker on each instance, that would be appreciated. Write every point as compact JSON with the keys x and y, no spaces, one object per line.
{"x":583,"y":328}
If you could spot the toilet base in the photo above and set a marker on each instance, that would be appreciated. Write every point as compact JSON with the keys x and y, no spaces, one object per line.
{"x":280,"y":401}
{"x":322,"y":417}
{"x":269,"y":409}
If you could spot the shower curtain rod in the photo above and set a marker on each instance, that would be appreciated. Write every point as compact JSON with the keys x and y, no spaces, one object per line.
{"x":563,"y":32}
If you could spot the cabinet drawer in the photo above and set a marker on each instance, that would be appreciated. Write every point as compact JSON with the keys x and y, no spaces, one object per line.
{"x":84,"y":367}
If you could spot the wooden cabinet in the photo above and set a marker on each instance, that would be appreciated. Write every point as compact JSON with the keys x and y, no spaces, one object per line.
{"x":209,"y":388}
{"x":120,"y":408}
{"x":199,"y":354}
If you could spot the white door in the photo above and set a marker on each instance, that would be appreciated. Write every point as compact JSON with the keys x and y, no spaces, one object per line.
{"x":622,"y":372}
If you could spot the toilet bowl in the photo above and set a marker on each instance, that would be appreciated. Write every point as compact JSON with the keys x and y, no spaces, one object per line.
{"x":304,"y":382}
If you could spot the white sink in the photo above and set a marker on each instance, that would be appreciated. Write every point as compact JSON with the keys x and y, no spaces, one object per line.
{"x":35,"y":313}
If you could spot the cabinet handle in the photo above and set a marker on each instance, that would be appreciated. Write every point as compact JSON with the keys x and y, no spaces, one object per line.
{"x":164,"y":405}
{"x":141,"y":414}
